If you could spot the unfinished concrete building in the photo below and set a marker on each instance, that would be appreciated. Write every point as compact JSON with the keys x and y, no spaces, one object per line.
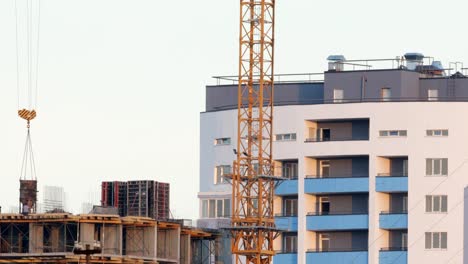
{"x":52,"y":238}
{"x":137,"y":198}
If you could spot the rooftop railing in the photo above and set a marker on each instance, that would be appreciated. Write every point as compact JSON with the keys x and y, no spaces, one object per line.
{"x":278,"y":78}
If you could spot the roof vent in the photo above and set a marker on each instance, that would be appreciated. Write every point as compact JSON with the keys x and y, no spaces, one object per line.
{"x":413,"y":59}
{"x":335,"y":62}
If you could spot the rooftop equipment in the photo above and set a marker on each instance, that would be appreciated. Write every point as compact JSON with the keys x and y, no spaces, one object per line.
{"x":413,"y":60}
{"x":335,"y":62}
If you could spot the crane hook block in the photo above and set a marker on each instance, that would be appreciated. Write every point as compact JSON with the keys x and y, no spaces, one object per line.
{"x":27,"y":114}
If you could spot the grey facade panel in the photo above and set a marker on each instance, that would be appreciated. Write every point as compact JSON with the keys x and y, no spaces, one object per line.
{"x":224,"y":97}
{"x":360,"y":129}
{"x":359,"y":240}
{"x":360,"y":167}
{"x":367,"y":85}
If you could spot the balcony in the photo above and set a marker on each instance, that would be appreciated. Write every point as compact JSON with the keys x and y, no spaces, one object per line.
{"x":390,"y":183}
{"x":317,"y":185}
{"x":395,"y":255}
{"x":286,"y":223}
{"x":341,"y":256}
{"x":337,"y":221}
{"x":337,"y":130}
{"x":287,"y":187}
{"x":285,"y":257}
{"x":393,"y":220}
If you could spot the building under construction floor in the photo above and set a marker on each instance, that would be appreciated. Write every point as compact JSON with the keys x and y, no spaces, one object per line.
{"x":137,"y":198}
{"x":53,"y":238}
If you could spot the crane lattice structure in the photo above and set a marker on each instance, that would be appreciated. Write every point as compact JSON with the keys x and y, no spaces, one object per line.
{"x":253,"y":182}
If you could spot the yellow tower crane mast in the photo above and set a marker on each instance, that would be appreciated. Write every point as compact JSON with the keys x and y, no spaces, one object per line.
{"x":253,"y":181}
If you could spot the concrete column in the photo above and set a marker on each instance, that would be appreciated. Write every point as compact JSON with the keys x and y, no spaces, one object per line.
{"x":36,"y":238}
{"x":86,"y":232}
{"x":185,"y":249}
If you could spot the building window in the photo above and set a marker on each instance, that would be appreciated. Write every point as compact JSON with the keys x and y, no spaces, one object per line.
{"x":393,"y":133}
{"x":437,"y":132}
{"x":285,"y":137}
{"x":324,"y":169}
{"x":436,"y":167}
{"x":386,"y":94}
{"x":324,"y":242}
{"x":222,"y":141}
{"x":221,"y":171}
{"x":289,"y":243}
{"x":432,"y":94}
{"x":436,"y":203}
{"x":216,"y":208}
{"x":436,"y":240}
{"x":290,"y":206}
{"x":289,"y":170}
{"x":338,"y":95}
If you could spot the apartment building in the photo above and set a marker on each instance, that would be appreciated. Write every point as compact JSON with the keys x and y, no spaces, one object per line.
{"x":375,"y":159}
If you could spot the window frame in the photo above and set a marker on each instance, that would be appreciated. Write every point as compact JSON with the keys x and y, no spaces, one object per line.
{"x":437,"y":132}
{"x":440,"y":200}
{"x":207,"y":205}
{"x":440,"y":164}
{"x":386,"y":94}
{"x":336,"y":98}
{"x":226,"y":141}
{"x":293,"y":206}
{"x":282,"y":137}
{"x":430,"y":94}
{"x":218,"y":174}
{"x":436,"y":240}
{"x":388,"y":133}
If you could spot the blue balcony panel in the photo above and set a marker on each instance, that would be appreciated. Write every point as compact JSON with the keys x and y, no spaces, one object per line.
{"x":391,"y":184}
{"x":393,"y":257}
{"x":286,"y":223}
{"x":354,"y":257}
{"x":286,"y":258}
{"x":337,"y":222}
{"x":337,"y":185}
{"x":393,"y":221}
{"x":287,"y":187}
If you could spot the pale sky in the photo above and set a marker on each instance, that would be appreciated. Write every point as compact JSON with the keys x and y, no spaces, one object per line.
{"x":121,"y":82}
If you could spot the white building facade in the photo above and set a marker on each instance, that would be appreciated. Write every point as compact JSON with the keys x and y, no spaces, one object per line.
{"x":376,"y":162}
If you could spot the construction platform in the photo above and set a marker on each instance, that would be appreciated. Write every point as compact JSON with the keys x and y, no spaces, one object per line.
{"x":51,"y":238}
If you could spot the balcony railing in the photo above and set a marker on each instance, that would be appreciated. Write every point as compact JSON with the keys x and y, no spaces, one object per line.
{"x":388,"y":174}
{"x":343,"y":175}
{"x":394,"y":212}
{"x":350,"y":138}
{"x":348,"y":249}
{"x":394,"y":249}
{"x":286,"y":251}
{"x":334,"y":184}
{"x":358,"y":212}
